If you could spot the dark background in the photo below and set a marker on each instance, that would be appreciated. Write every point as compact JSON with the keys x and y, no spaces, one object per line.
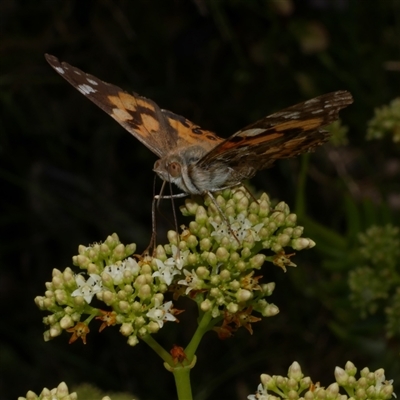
{"x":70,"y":175}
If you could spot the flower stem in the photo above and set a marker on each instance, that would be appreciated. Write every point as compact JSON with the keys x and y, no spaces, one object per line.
{"x":150,"y":341}
{"x":203,"y":327}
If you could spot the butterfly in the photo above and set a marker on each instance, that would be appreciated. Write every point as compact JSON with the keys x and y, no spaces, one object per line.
{"x":197,"y":160}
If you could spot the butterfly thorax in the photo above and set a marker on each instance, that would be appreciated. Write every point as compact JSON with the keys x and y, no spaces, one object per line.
{"x":184,"y":169}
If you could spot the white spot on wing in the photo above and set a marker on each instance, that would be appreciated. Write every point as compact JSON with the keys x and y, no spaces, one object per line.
{"x":252,"y":132}
{"x":86,"y":89}
{"x":293,"y":115}
{"x":59,"y":70}
{"x":92,"y":81}
{"x":311,"y":101}
{"x":317,"y":111}
{"x":77,"y":72}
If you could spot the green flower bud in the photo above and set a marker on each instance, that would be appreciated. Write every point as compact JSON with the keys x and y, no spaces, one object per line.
{"x":292,"y":395}
{"x":350,"y":368}
{"x":222,"y":254}
{"x":108,"y":297}
{"x":202,"y":272}
{"x":291,"y":220}
{"x":295,"y":372}
{"x":55,"y":330}
{"x":361,"y":393}
{"x":232,"y":308}
{"x":105,"y":250}
{"x":201,"y":215}
{"x":225,"y":275}
{"x":270,"y":311}
{"x":243,"y":295}
{"x":206,"y":305}
{"x":93,"y":269}
{"x":341,"y":376}
{"x":124,"y":306}
{"x":119,"y":252}
{"x":126,"y":329}
{"x":66,"y":322}
{"x":144,"y":292}
{"x":133,"y":340}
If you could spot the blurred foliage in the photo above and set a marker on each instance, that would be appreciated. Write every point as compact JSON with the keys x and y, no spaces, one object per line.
{"x":69,"y":174}
{"x":386,"y":121}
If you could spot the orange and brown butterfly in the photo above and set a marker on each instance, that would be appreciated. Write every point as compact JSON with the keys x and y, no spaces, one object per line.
{"x":197,"y":160}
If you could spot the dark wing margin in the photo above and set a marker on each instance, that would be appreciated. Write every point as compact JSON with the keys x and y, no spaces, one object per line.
{"x":286,"y":133}
{"x":139,"y":116}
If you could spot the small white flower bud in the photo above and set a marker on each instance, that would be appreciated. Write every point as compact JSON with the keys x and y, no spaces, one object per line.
{"x":341,"y":376}
{"x":243,"y":295}
{"x":119,"y":252}
{"x":295,"y":372}
{"x":232,"y":308}
{"x":133,"y":340}
{"x":62,"y":390}
{"x":55,"y":330}
{"x":206,"y":305}
{"x":66,"y":322}
{"x":126,"y":329}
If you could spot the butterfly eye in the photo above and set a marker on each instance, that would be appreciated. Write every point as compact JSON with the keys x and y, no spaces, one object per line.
{"x":174,"y":169}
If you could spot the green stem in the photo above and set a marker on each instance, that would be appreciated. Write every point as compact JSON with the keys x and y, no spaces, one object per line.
{"x":150,"y":341}
{"x":203,"y":327}
{"x":182,"y":382}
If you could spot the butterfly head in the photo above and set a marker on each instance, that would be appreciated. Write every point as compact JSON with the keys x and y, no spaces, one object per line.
{"x":170,"y":169}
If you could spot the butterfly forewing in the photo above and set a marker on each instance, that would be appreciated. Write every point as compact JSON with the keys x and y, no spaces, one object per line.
{"x":155,"y":128}
{"x":284,"y":134}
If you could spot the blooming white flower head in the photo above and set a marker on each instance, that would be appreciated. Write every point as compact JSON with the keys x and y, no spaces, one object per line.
{"x":239,"y":229}
{"x":161,"y":313}
{"x":87,"y":289}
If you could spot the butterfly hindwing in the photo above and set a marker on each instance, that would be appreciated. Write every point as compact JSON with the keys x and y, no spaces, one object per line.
{"x":284,"y":134}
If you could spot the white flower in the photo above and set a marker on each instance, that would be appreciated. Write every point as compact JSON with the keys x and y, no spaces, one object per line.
{"x":239,"y":228}
{"x":191,"y":280}
{"x":179,"y":258}
{"x":162,"y":313}
{"x":380,"y":381}
{"x":130,"y":264}
{"x":261,"y":394}
{"x":166,"y":272}
{"x":116,"y":271}
{"x":87,"y":289}
{"x":172,"y":266}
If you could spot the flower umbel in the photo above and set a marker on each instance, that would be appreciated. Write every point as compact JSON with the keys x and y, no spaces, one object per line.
{"x":211,"y":262}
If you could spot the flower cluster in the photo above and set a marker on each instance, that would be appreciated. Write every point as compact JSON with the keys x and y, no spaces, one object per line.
{"x":386,"y":121}
{"x":59,"y":393}
{"x":370,"y":385}
{"x":376,"y":273}
{"x":214,"y":261}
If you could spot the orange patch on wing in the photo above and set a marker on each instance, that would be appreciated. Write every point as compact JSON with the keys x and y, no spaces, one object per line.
{"x":120,"y":114}
{"x":150,"y":123}
{"x":303,"y":124}
{"x":145,"y":104}
{"x":129,"y":102}
{"x":116,"y":101}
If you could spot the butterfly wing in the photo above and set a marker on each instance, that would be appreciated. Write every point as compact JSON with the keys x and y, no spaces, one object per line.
{"x":284,"y":134}
{"x":160,"y":130}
